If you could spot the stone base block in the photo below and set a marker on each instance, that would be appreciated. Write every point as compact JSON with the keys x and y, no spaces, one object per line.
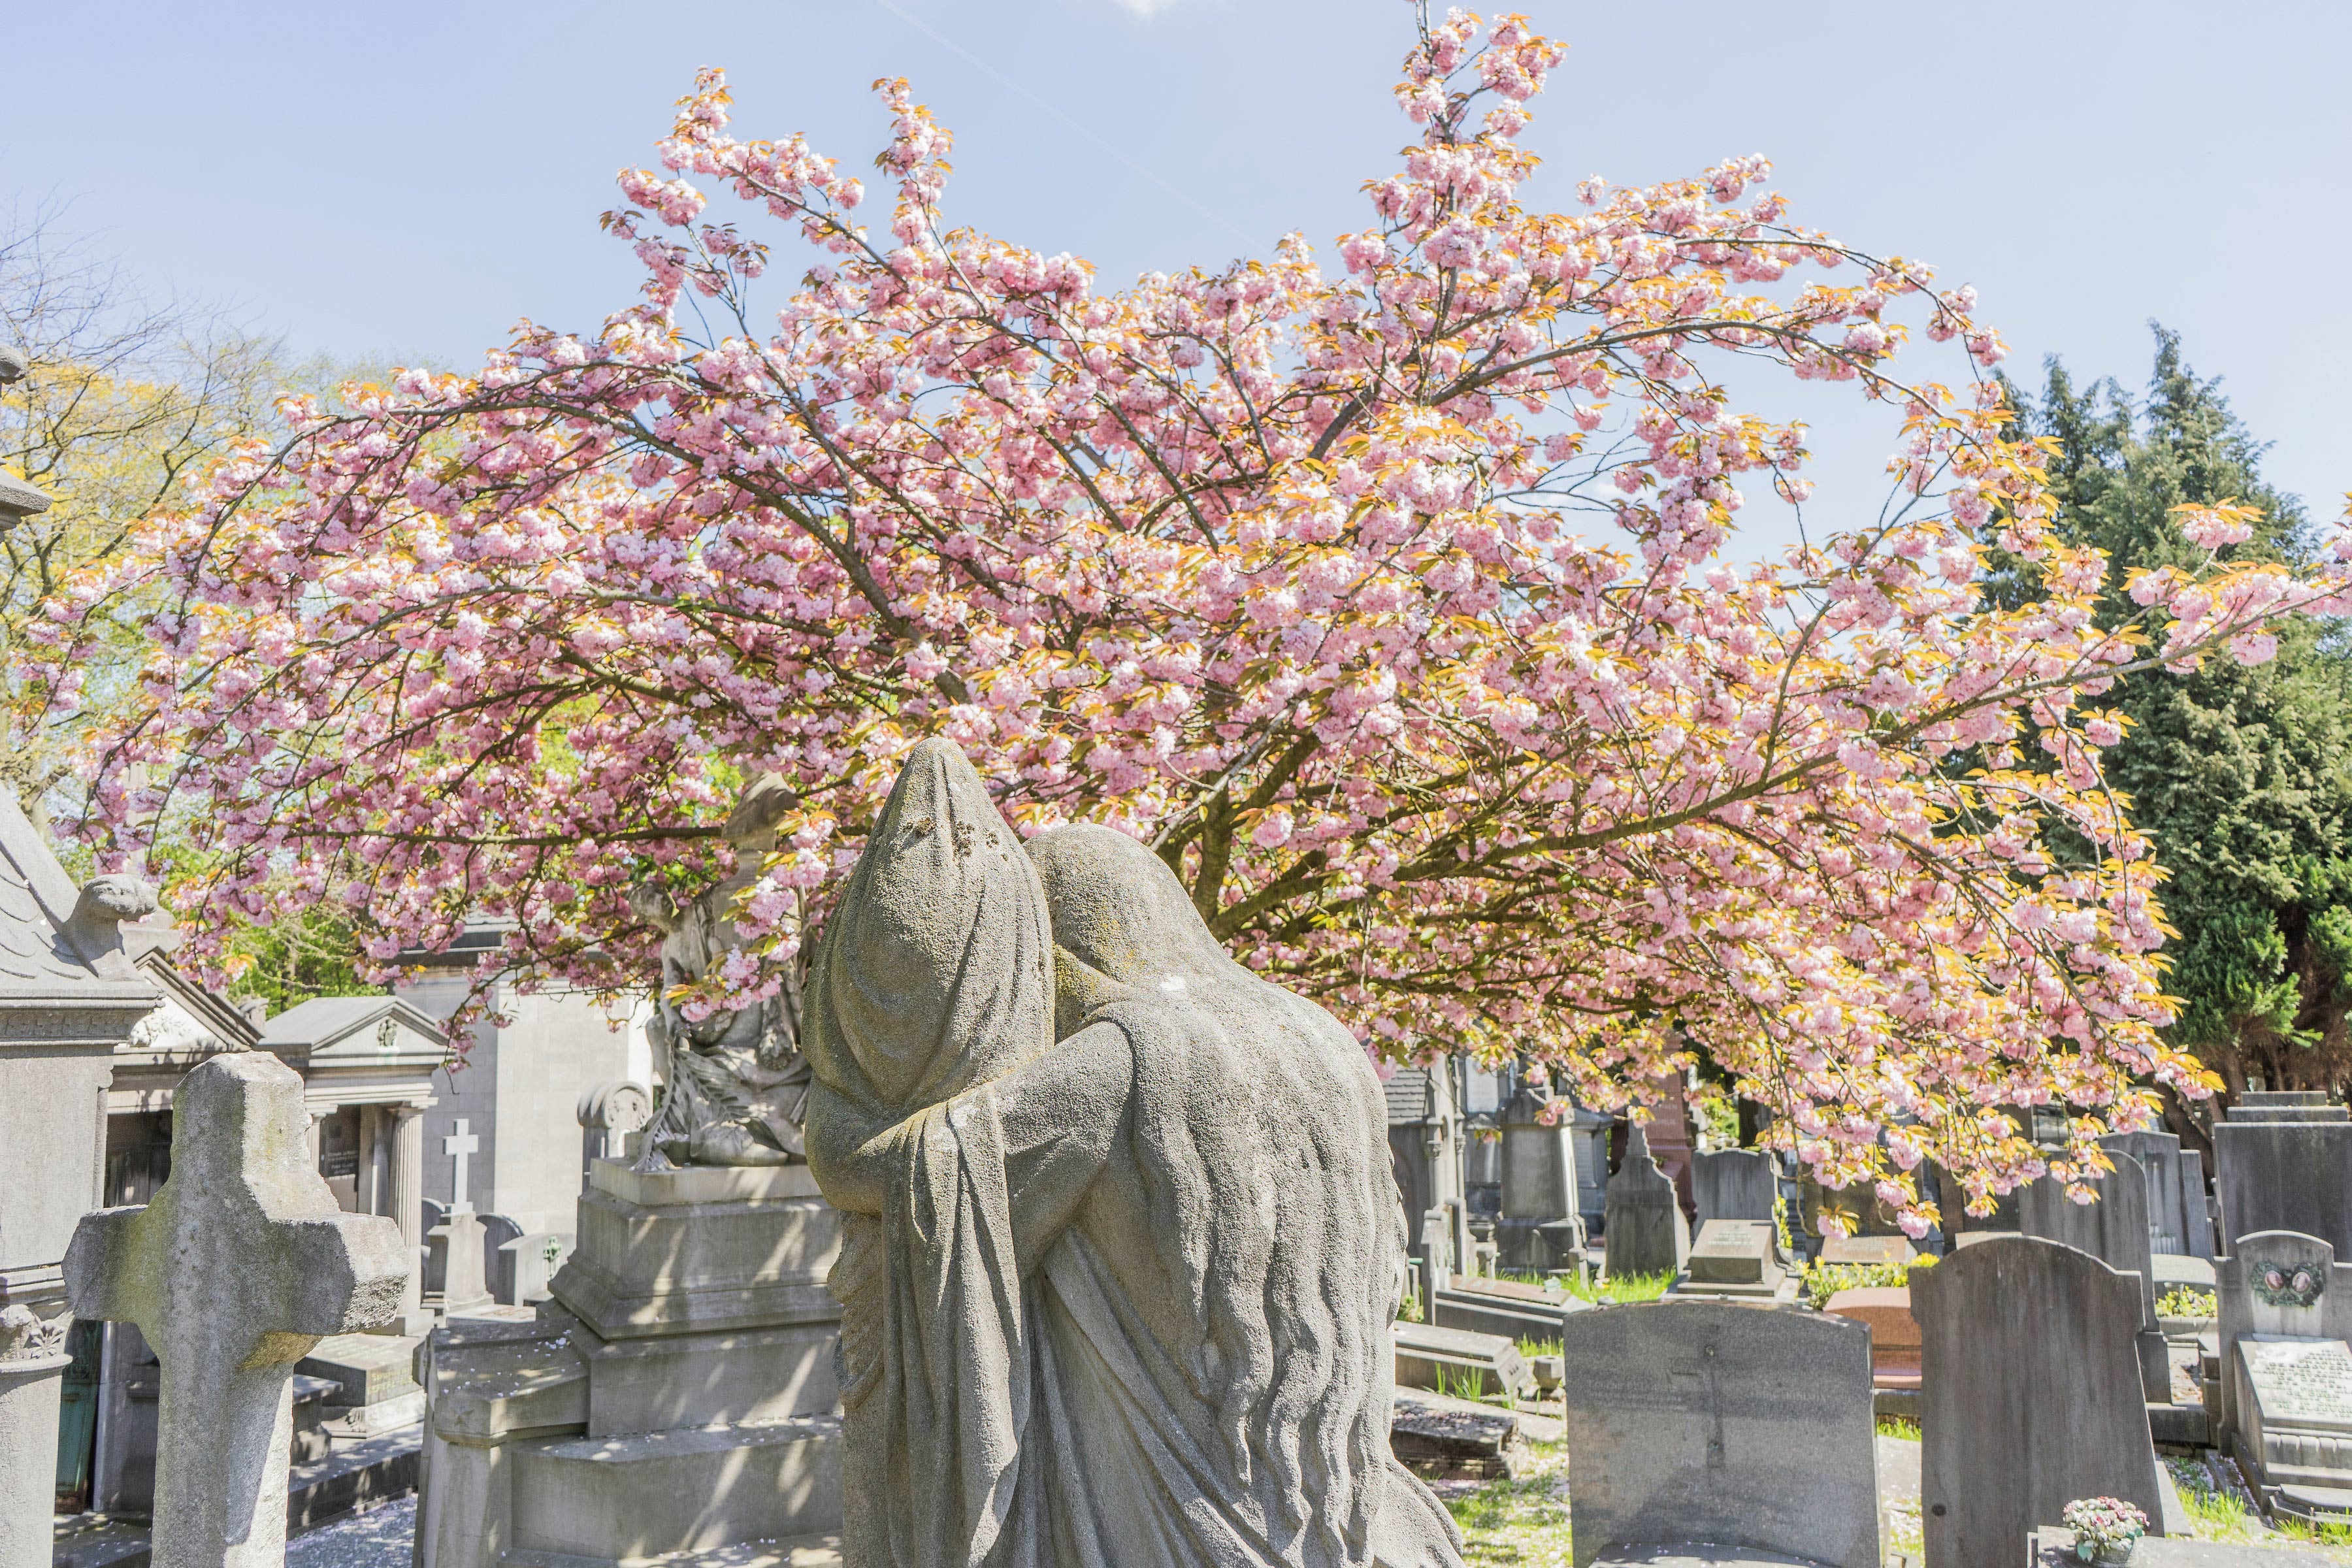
{"x":373,"y":1368}
{"x":652,"y":1384}
{"x":372,"y":1420}
{"x":1454,"y":1439}
{"x":1456,"y":1361}
{"x":1483,"y":1314}
{"x":820,"y":1550}
{"x":2178,"y":1426}
{"x":619,"y":1499}
{"x":699,"y":1249}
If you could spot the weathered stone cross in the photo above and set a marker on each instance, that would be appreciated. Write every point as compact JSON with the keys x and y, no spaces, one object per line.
{"x":237,"y":1267}
{"x":461,"y":1145}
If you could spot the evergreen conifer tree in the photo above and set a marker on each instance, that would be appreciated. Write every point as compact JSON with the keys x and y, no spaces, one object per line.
{"x":2243,"y":774}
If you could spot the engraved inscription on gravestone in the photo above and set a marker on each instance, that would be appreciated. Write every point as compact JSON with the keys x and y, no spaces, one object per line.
{"x":1731,"y":1252}
{"x":2301,"y":1383}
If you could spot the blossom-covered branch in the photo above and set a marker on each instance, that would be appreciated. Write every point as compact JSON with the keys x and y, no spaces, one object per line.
{"x":1398,"y":606}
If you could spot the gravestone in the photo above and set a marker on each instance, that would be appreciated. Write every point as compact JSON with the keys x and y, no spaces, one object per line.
{"x":456,"y":1246}
{"x":1505,"y":1306}
{"x":1747,"y":1428}
{"x":1736,"y":1257}
{"x":241,"y":1265}
{"x":1886,"y":1311}
{"x":1540,"y":1227}
{"x":676,"y":1393}
{"x":2159,"y":1154}
{"x":1461,"y":1362}
{"x":531,"y":1261}
{"x":2283,"y":1161}
{"x":498,"y":1265}
{"x":2283,"y":1313}
{"x":1735,"y":1183}
{"x":1646,"y":1233}
{"x":2031,"y":1398}
{"x":2114,"y":1230}
{"x":455,"y":1249}
{"x":2195,"y":1206}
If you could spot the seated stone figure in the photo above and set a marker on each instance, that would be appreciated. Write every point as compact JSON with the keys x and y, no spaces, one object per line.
{"x":1115,"y":1293}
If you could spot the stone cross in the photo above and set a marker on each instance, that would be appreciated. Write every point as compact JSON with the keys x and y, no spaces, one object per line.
{"x":461,"y":1145}
{"x":239,"y":1266}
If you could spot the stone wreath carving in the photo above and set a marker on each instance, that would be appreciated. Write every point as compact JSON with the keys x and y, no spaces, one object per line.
{"x":2278,"y":1286}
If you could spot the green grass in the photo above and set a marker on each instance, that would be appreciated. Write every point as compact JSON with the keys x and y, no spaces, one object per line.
{"x":1521,"y":1523}
{"x":1465,"y":1384}
{"x":1534,"y":1347}
{"x":1901,"y":1426}
{"x":1631,"y":1287}
{"x":2336,"y":1535}
{"x":2214,"y":1514}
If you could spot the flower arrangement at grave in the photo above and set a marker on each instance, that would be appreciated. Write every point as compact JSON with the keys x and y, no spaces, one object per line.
{"x":2187,"y":1301}
{"x":2104,"y":1528}
{"x":1394,"y":596}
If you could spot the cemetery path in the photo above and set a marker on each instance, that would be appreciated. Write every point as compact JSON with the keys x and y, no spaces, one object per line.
{"x":378,"y":1539}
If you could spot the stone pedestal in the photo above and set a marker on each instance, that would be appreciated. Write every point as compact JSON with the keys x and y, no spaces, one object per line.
{"x":677,"y":1394}
{"x":454,"y":1255}
{"x":32,"y":1375}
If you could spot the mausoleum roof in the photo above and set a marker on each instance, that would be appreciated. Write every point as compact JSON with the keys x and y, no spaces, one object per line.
{"x":365,"y":1032}
{"x":40,"y":965}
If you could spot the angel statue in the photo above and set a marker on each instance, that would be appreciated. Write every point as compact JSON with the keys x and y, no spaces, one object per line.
{"x":735,"y":1085}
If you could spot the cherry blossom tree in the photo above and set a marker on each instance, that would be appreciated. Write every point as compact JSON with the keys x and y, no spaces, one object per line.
{"x":1401,"y":605}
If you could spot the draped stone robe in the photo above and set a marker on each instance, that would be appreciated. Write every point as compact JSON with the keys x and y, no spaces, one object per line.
{"x":1118,"y":1301}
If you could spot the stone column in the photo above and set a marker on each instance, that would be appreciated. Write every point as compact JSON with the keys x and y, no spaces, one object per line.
{"x":32,"y":1362}
{"x":403,"y":1130}
{"x":367,"y":1179}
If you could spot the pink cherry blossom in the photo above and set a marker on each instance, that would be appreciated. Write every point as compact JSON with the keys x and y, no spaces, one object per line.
{"x":1403,"y":608}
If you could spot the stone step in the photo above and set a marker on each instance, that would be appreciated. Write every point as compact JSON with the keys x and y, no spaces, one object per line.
{"x":355,"y":1474}
{"x":657,"y":1494}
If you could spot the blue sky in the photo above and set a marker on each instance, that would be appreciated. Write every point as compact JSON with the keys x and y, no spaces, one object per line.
{"x":407,"y":181}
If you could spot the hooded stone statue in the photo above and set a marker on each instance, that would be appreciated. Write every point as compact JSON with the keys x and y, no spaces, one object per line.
{"x":1123,"y":1247}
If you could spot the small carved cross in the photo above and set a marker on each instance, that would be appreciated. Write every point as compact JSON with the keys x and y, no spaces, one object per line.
{"x":239,"y":1266}
{"x":461,"y":1145}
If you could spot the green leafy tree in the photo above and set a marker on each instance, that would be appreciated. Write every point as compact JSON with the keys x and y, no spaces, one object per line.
{"x":125,"y":397}
{"x":2243,"y":774}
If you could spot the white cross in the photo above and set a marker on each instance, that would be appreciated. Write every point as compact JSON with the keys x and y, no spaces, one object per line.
{"x":459,"y":1145}
{"x":241,"y":1263}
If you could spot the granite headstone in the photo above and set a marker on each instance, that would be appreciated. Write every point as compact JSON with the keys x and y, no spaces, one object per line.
{"x":2283,"y":1161}
{"x":1696,"y":1423}
{"x":2032,"y":1396}
{"x":1735,"y":1183}
{"x":1646,"y":1233}
{"x":2114,"y":1229}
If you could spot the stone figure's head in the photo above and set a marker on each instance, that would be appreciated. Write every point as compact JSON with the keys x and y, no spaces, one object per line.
{"x":935,"y":973}
{"x":1121,"y":920}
